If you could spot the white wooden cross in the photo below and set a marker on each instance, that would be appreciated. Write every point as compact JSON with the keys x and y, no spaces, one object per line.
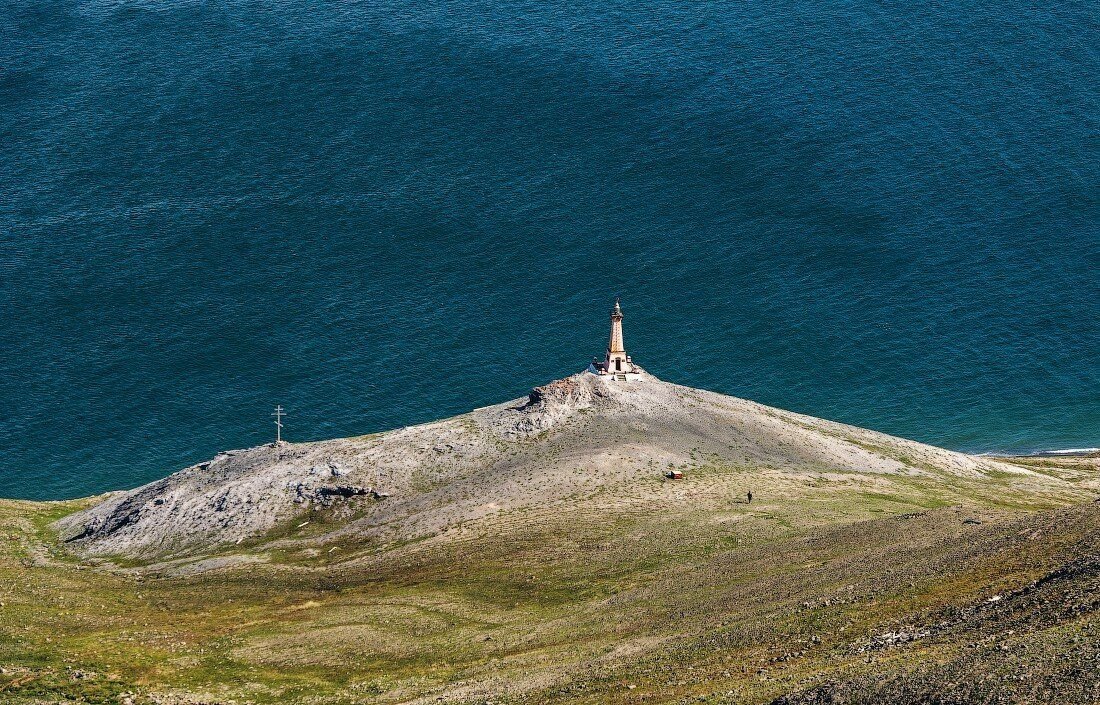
{"x":279,"y":414}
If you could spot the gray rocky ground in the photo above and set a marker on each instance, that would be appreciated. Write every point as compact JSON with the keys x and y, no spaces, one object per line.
{"x":579,"y":437}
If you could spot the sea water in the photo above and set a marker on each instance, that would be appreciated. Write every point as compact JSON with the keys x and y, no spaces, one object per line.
{"x":382,"y":213}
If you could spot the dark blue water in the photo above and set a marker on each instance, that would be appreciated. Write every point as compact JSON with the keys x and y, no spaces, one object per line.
{"x":378,"y":214}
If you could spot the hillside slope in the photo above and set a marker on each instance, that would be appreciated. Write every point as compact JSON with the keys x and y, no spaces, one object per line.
{"x":534,"y":552}
{"x":581,"y":443}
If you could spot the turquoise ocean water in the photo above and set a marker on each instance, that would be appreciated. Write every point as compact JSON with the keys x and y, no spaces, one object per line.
{"x":382,"y":213}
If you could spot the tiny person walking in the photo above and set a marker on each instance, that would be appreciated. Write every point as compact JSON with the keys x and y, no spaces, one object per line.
{"x":750,"y":497}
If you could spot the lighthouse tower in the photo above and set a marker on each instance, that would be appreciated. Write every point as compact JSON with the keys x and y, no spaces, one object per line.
{"x":616,"y":364}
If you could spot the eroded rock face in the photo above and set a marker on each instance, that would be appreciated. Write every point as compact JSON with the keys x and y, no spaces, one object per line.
{"x":327,"y":495}
{"x":239,"y":495}
{"x":551,"y":403}
{"x":227,"y":497}
{"x":576,"y":392}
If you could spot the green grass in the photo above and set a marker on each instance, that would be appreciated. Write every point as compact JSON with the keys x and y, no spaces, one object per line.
{"x":604,"y":598}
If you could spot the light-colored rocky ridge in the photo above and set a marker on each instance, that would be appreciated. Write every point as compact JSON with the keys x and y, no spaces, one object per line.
{"x":582,"y":441}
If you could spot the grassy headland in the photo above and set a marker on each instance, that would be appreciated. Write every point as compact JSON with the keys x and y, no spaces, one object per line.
{"x":593,"y":579}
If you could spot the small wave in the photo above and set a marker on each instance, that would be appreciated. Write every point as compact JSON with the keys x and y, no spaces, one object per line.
{"x":1038,"y":453}
{"x":1067,"y":451}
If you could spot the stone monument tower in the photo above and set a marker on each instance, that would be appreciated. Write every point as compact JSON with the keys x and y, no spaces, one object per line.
{"x":616,"y":363}
{"x":616,"y":359}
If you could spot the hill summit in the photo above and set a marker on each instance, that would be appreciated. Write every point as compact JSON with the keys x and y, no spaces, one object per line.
{"x":583,"y":443}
